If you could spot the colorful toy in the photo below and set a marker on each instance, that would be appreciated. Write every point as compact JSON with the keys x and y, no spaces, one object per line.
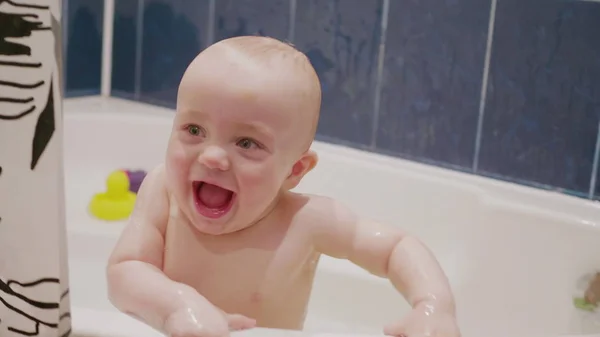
{"x":591,"y":298}
{"x":117,"y":202}
{"x":581,"y":304}
{"x":135,"y":179}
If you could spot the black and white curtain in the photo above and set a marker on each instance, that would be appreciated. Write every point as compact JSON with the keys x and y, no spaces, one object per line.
{"x":34,"y":295}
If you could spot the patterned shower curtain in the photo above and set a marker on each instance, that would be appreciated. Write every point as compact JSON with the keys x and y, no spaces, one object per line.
{"x":34,"y":295}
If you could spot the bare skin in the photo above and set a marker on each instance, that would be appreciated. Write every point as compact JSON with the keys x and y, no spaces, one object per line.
{"x":197,"y":261}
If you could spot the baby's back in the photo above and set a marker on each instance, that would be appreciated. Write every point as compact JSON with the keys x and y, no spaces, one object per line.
{"x":264,"y":272}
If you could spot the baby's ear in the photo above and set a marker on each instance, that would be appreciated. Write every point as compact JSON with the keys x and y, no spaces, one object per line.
{"x":307,"y":162}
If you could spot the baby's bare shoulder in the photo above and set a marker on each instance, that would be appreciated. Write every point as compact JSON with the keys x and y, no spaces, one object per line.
{"x":152,"y":201}
{"x":318,"y":213}
{"x":143,"y":236}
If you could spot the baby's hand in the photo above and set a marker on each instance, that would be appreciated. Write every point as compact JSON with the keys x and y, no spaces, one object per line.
{"x":238,"y":322}
{"x":424,"y":321}
{"x":207,"y":322}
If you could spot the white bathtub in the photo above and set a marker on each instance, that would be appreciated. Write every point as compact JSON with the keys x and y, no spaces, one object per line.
{"x":514,"y":255}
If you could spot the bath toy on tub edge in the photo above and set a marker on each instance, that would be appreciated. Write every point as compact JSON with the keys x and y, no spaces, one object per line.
{"x":117,"y":202}
{"x":135,"y":179}
{"x":581,"y":304}
{"x":591,"y":297}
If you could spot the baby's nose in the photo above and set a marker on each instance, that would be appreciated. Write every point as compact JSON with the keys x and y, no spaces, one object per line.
{"x":214,"y":158}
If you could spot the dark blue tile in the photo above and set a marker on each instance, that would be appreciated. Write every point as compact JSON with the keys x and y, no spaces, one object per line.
{"x":543,"y":100}
{"x":341,"y":38}
{"x":84,"y":47}
{"x":433,"y":70}
{"x":251,"y":17}
{"x":124,"y":44}
{"x":174,"y":33}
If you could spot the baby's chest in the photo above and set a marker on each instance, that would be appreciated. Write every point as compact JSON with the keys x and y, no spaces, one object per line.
{"x":227,"y":272}
{"x":225,"y":269}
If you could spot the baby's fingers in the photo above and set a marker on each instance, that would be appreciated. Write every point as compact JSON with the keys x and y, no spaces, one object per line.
{"x":240,"y":322}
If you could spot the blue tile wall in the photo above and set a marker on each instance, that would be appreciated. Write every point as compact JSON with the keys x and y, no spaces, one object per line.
{"x":82,"y":60}
{"x":174,"y":32}
{"x":153,"y":43}
{"x":341,"y":38}
{"x":423,"y":80}
{"x":433,"y":71}
{"x":543,"y":98}
{"x":123,"y":52}
{"x":251,"y":17}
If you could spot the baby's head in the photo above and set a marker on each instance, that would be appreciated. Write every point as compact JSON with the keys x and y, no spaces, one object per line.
{"x":247,"y":112}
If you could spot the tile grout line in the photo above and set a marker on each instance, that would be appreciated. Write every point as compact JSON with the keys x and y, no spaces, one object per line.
{"x":595,"y":166}
{"x":210,"y":34}
{"x":292,"y":21}
{"x":139,"y":35}
{"x":379,"y":76}
{"x":107,"y":47}
{"x":484,"y":84}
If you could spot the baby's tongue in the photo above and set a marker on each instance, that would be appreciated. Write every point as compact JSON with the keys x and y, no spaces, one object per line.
{"x":213,"y":196}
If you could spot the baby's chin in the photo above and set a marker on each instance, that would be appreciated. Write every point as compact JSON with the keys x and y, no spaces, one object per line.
{"x":211,"y":228}
{"x":235,"y":222}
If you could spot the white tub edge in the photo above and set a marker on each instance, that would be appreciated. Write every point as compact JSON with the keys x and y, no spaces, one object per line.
{"x":94,"y":323}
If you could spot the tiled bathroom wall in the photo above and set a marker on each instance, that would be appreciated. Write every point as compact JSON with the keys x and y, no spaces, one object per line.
{"x":508,"y":89}
{"x":82,"y":46}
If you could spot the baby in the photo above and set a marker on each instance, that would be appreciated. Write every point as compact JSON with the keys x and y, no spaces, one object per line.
{"x":218,"y":242}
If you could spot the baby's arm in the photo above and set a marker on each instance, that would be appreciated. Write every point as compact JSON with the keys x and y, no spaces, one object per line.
{"x":136,"y":283}
{"x":385,"y":251}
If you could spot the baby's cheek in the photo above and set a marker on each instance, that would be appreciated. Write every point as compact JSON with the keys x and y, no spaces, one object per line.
{"x":258,"y":176}
{"x":178,"y":159}
{"x":263,"y":183}
{"x":178,"y":168}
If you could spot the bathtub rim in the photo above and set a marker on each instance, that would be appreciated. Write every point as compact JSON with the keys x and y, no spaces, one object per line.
{"x":85,"y":323}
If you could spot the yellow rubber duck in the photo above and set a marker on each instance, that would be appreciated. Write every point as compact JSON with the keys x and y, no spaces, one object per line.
{"x":117,"y":202}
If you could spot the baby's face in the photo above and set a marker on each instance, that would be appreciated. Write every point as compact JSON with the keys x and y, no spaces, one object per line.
{"x":233,"y":146}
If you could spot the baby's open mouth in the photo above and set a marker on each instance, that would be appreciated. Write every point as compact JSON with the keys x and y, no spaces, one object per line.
{"x":212,"y":201}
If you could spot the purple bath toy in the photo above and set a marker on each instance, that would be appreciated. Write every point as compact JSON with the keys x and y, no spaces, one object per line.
{"x":135,"y":179}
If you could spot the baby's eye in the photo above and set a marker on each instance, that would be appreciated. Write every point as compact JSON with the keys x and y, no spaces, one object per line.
{"x":246,"y":143}
{"x":194,"y":130}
